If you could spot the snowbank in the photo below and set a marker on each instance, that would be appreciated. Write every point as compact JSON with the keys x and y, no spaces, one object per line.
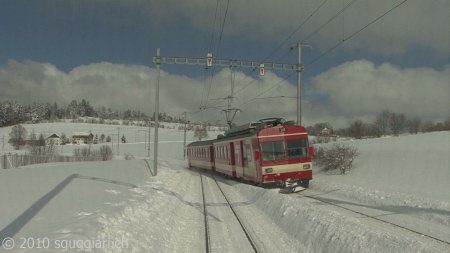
{"x":403,"y":179}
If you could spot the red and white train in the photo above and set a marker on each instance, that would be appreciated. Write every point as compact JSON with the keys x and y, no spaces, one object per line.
{"x":268,"y":151}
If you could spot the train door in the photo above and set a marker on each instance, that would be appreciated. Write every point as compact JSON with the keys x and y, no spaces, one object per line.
{"x":239,"y":160}
{"x":249,"y":169}
{"x":232,"y":158}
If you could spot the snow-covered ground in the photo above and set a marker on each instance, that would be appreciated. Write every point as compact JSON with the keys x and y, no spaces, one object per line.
{"x":170,"y":140}
{"x":121,"y":206}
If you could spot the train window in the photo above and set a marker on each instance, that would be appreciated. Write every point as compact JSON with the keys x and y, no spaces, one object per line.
{"x":297,"y":148}
{"x":228,"y":153}
{"x":273,"y":150}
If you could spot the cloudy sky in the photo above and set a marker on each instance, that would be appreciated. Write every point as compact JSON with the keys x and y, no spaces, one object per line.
{"x":366,"y":56}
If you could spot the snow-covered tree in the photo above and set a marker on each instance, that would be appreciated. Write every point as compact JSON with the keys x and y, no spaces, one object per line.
{"x":72,"y":109}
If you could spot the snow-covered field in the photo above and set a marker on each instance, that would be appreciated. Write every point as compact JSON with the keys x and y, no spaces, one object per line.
{"x":170,"y":140}
{"x":120,"y":206}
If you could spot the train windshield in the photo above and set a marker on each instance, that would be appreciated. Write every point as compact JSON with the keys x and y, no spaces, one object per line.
{"x":273,"y":150}
{"x":276,"y":150}
{"x":297,"y":148}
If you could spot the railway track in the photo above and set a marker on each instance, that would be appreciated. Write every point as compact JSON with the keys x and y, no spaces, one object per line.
{"x":229,"y":215}
{"x":375,"y":218}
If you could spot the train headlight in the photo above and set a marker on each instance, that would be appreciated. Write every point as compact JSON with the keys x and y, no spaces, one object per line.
{"x":269,"y":170}
{"x":306,"y":166}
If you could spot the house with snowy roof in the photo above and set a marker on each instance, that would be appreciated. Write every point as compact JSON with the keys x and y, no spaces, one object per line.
{"x":82,"y":138}
{"x":54,"y":140}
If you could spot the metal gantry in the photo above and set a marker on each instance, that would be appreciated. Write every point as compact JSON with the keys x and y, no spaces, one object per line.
{"x":224,"y":63}
{"x":209,"y":61}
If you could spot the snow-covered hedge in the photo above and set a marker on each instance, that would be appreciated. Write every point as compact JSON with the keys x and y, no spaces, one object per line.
{"x":338,"y":156}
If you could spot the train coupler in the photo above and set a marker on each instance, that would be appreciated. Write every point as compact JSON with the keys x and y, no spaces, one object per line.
{"x":290,"y":186}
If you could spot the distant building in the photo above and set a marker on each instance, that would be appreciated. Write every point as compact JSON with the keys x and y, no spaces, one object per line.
{"x":326,"y":132}
{"x":54,"y":139}
{"x":82,"y":138}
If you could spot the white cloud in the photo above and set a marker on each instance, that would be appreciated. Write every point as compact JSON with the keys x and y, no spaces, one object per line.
{"x":357,"y":89}
{"x":124,"y":87}
{"x":360,"y":89}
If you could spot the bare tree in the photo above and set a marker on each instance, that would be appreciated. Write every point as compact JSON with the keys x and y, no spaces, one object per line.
{"x":33,"y":144}
{"x":397,"y":122}
{"x":64,"y":139}
{"x":106,"y":153}
{"x":357,"y":129}
{"x":428,"y":126}
{"x":39,"y":147}
{"x":381,"y":123}
{"x":17,"y":136}
{"x":200,"y":133}
{"x":414,"y":125}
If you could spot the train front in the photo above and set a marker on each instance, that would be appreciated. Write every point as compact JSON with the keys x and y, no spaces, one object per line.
{"x":285,"y":156}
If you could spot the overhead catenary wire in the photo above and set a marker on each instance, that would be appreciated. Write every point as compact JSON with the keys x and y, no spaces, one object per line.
{"x":295,"y":31}
{"x":218,"y":50}
{"x":332,"y":48}
{"x":328,"y":21}
{"x":267,"y":90}
{"x":279,"y":46}
{"x":290,"y":75}
{"x":210,"y":49}
{"x":353,"y":34}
